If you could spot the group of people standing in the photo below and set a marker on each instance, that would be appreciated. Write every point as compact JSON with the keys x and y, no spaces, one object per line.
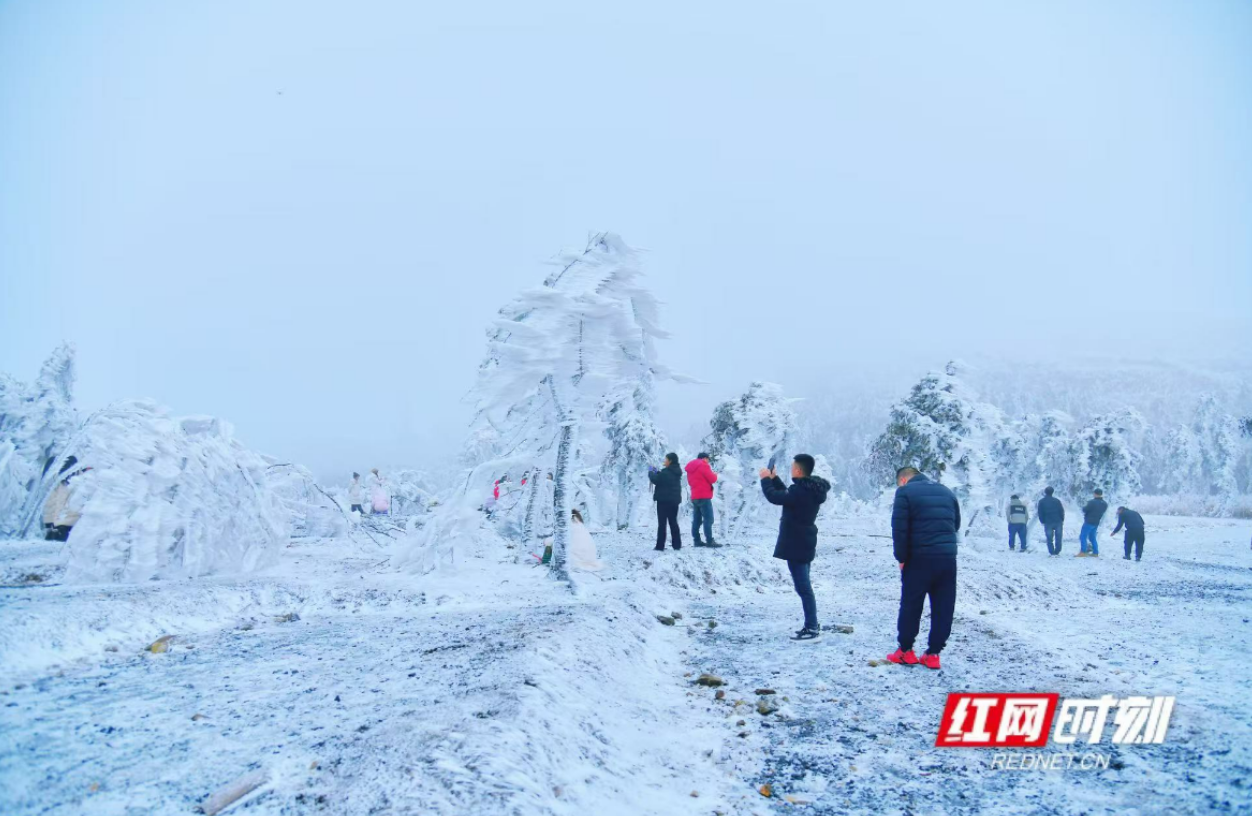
{"x":925,"y":531}
{"x":1051,"y":515}
{"x":667,"y":482}
{"x":376,"y":489}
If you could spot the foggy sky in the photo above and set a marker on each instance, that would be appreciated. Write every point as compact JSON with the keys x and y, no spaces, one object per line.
{"x":301,"y":216}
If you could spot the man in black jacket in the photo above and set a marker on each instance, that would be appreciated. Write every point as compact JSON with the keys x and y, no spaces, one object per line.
{"x":797,"y":532}
{"x":925,"y":521}
{"x":1133,"y":523}
{"x":667,"y":495}
{"x":1051,"y":514}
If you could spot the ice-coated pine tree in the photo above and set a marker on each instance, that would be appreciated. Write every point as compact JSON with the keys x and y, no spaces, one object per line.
{"x":1105,"y":456}
{"x":570,"y":357}
{"x":744,"y":434}
{"x":944,"y":431}
{"x":1031,"y":454}
{"x":36,"y":422}
{"x":634,"y":443}
{"x":1217,"y":439}
{"x":1182,"y":452}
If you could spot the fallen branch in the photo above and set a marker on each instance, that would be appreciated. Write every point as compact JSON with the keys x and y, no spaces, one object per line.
{"x":227,"y":796}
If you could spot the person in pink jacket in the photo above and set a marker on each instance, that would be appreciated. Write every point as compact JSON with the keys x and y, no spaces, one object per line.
{"x":700,"y":478}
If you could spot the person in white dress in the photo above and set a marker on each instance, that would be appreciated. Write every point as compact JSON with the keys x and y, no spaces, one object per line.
{"x":380,"y":497}
{"x":582,"y":550}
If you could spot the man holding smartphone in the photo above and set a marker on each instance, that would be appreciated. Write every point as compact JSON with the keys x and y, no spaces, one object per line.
{"x":797,"y":531}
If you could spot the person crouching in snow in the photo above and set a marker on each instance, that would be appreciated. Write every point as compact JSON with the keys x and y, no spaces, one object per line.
{"x":59,"y":512}
{"x":1133,"y":522}
{"x":582,"y":550}
{"x":701,"y":478}
{"x":356,"y":495}
{"x":925,"y":519}
{"x":797,"y":532}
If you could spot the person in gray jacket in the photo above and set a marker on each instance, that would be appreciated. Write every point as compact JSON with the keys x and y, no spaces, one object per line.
{"x":1018,"y":517}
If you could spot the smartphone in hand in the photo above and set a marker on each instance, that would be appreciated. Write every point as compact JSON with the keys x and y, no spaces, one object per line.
{"x":772,"y":460}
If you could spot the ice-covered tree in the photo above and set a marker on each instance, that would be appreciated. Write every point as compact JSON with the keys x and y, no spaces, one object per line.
{"x":558,"y":357}
{"x":942,"y":429}
{"x":634,"y":443}
{"x":1105,"y":456}
{"x":743,"y":434}
{"x":36,"y":421}
{"x":1182,"y":452}
{"x":1031,"y":454}
{"x":1217,"y":439}
{"x":166,"y":498}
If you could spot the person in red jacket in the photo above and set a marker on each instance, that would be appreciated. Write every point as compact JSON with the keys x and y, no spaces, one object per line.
{"x":700,"y":478}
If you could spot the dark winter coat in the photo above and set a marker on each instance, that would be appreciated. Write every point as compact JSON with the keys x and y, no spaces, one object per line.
{"x":1132,"y":520}
{"x":1094,"y":511}
{"x":797,"y":531}
{"x":669,"y":483}
{"x":1051,"y":511}
{"x":925,"y":520}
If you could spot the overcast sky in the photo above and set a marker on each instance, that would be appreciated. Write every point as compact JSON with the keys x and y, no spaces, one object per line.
{"x":301,"y":216}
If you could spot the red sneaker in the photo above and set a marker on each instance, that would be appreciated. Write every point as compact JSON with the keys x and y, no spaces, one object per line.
{"x":903,"y":658}
{"x":929,"y":661}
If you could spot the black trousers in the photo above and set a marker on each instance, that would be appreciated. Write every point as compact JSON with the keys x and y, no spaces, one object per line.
{"x":667,"y":513}
{"x":1134,"y":540}
{"x":922,"y":577}
{"x":56,"y":532}
{"x":804,"y":588}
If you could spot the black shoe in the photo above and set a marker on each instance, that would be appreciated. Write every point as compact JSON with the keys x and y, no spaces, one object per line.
{"x":806,"y":635}
{"x":712,"y":544}
{"x":659,"y":549}
{"x":678,"y":546}
{"x":699,"y":543}
{"x":1125,"y":557}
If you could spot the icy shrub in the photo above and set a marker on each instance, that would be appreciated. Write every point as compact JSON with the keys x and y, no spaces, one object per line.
{"x":311,"y":511}
{"x":167,"y":498}
{"x":458,"y":532}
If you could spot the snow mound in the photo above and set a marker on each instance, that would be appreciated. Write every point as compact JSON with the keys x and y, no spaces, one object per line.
{"x":167,"y":498}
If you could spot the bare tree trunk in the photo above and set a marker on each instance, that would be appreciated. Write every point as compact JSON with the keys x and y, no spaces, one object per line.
{"x":625,"y":501}
{"x":528,"y":521}
{"x":562,"y":486}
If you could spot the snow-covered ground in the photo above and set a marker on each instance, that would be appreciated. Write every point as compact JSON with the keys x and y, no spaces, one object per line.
{"x":359,"y":689}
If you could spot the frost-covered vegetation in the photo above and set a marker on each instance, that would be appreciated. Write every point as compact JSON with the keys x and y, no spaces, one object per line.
{"x":944,"y":428}
{"x":149,"y":495}
{"x":36,"y":422}
{"x":563,"y":411}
